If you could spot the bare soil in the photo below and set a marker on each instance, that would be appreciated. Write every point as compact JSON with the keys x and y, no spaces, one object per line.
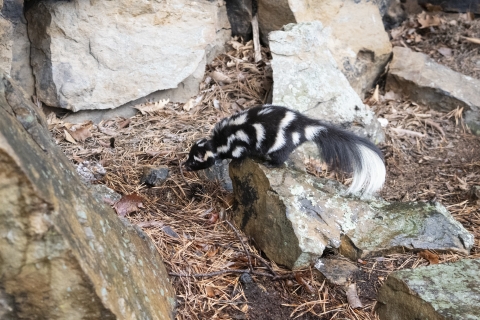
{"x":438,"y":160}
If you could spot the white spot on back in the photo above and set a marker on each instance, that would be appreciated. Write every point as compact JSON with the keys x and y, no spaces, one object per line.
{"x":296,"y":137}
{"x":238,"y":152}
{"x":312,"y":131}
{"x":238,"y":120}
{"x":208,"y":154}
{"x":280,"y":138}
{"x":239,"y":135}
{"x":260,"y":134}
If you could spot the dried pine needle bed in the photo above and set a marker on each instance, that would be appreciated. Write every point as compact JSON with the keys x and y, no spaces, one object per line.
{"x":431,"y":158}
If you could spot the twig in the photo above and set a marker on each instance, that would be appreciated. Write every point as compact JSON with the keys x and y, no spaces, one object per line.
{"x":434,"y":125}
{"x":352,"y":296}
{"x":401,"y":131}
{"x":243,"y":244}
{"x":216,"y":273}
{"x":265,"y":263}
{"x":256,"y":39}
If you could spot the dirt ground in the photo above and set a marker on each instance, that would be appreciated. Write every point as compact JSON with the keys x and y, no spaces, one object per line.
{"x":186,"y":217}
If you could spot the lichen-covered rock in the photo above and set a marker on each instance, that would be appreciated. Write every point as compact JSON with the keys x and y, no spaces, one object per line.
{"x":437,"y":292}
{"x":63,"y":253}
{"x":293,"y":217}
{"x":103,"y":54}
{"x":420,"y":78}
{"x":306,"y":78}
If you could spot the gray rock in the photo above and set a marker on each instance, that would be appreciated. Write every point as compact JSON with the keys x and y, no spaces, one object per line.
{"x":90,"y":171}
{"x":64,"y":254}
{"x":219,"y":172}
{"x":436,"y":292}
{"x":104,"y":194}
{"x":154,"y":176}
{"x":96,"y":116}
{"x":336,"y":271}
{"x":293,"y":217}
{"x":15,"y":45}
{"x":463,"y":6}
{"x":420,"y":78}
{"x":101,"y":55}
{"x":359,"y":42}
{"x":306,"y":78}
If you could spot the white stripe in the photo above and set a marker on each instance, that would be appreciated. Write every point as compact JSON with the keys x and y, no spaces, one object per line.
{"x":237,"y":152}
{"x":280,"y":139}
{"x":238,"y":120}
{"x":208,"y":154}
{"x":296,"y":138}
{"x":240,"y":135}
{"x":260,"y":134}
{"x":198,"y":159}
{"x":312,"y":131}
{"x":371,"y":176}
{"x":265,"y":111}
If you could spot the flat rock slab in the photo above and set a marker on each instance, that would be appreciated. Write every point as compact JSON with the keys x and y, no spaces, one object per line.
{"x":437,"y":292}
{"x":306,"y":78}
{"x":337,"y":271}
{"x":293,"y":217}
{"x":64,"y":253}
{"x":420,"y":78}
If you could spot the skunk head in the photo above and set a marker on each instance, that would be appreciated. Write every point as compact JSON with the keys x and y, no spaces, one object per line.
{"x":201,"y":156}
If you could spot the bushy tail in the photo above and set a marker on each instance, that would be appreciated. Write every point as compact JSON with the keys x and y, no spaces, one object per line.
{"x":345,"y":151}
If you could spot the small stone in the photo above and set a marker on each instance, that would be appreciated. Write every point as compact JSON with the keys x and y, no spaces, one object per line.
{"x":336,"y":271}
{"x":104,"y":194}
{"x":154,"y":176}
{"x":219,"y":172}
{"x":90,"y":171}
{"x":246,"y":278}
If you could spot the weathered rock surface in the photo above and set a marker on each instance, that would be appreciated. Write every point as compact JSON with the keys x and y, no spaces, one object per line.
{"x":306,"y":78}
{"x":420,"y":78}
{"x":100,"y":55}
{"x":64,"y":254}
{"x":437,"y":292}
{"x":293,"y":217}
{"x":14,"y":45}
{"x":154,"y":176}
{"x":359,"y":42}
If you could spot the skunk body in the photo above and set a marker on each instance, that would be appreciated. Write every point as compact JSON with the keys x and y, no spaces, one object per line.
{"x":273,"y":132}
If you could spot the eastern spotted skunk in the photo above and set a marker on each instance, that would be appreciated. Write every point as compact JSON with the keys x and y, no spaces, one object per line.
{"x":273,"y":132}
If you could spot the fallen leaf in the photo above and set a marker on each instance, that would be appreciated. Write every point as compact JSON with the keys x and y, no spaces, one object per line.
{"x":427,"y":20}
{"x":463,"y":184}
{"x":220,"y":77}
{"x":152,"y":107}
{"x":427,"y":255}
{"x":189,"y":105}
{"x":108,"y":132}
{"x":128,"y":203}
{"x":376,"y":95}
{"x":446,"y":52}
{"x":81,"y":134}
{"x":352,"y":297}
{"x":68,"y":137}
{"x":213,"y":218}
{"x":209,"y":290}
{"x":124,"y":123}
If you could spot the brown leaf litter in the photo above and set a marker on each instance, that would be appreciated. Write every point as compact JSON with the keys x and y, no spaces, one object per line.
{"x":429,"y":156}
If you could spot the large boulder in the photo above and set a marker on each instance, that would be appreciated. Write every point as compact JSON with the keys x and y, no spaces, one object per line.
{"x":103,"y":54}
{"x":63,"y":253}
{"x":442,"y":291}
{"x":15,"y":45}
{"x":359,"y":42}
{"x":293,"y":217}
{"x":421,"y":79}
{"x":306,"y":78}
